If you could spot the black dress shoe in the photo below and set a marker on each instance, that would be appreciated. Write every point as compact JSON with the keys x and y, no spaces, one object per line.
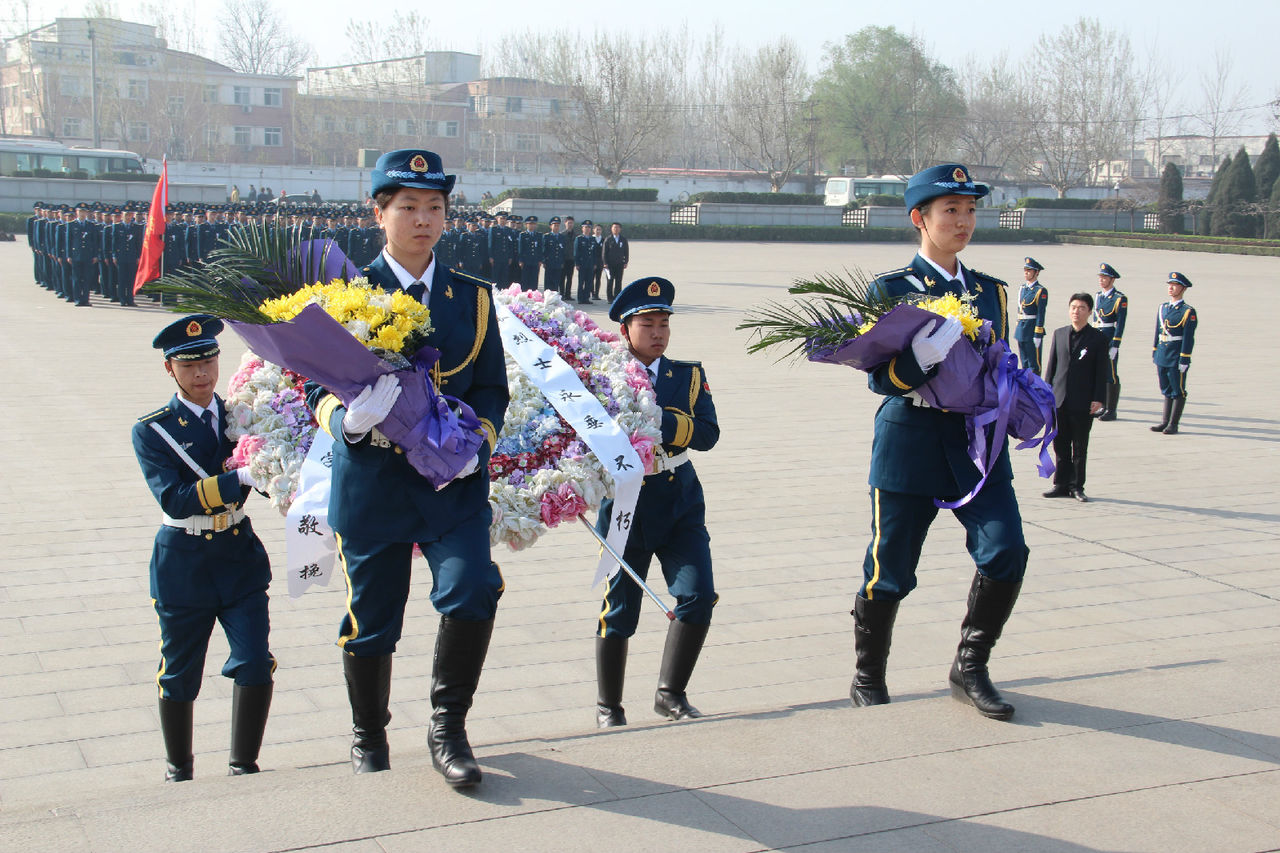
{"x":1079,"y":495}
{"x":1058,"y":492}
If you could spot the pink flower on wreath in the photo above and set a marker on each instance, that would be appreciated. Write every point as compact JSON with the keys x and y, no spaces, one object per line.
{"x":562,"y":504}
{"x":644,"y":448}
{"x":638,"y":376}
{"x":246,"y":447}
{"x":243,"y":375}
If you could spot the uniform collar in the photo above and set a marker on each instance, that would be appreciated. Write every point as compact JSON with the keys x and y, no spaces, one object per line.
{"x":405,"y":278}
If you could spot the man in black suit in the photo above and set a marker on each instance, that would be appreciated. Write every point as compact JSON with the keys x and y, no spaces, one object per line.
{"x":617,"y":254}
{"x":1079,"y":372}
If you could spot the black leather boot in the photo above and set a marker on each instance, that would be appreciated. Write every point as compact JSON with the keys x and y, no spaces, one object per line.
{"x":249,"y":709}
{"x":460,"y":652}
{"x":990,"y":603}
{"x":1175,"y":415}
{"x":369,"y":691}
{"x":872,"y":634}
{"x":1164,"y":421}
{"x":611,"y":670}
{"x":679,"y":657}
{"x":1113,"y":400}
{"x":176,"y":720}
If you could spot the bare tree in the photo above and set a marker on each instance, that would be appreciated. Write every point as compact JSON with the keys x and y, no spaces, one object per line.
{"x":370,"y":41}
{"x":176,"y":22}
{"x":1221,"y":101}
{"x":1083,"y":102}
{"x":1160,"y":82}
{"x":994,"y":132}
{"x":765,"y":120}
{"x":254,"y":39}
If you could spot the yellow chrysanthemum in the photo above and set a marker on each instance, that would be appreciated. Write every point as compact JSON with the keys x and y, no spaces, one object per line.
{"x":391,"y":318}
{"x":951,"y":305}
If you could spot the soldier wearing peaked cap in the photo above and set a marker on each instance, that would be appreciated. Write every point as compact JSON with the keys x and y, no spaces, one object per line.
{"x":553,"y":243}
{"x":1033,"y":300}
{"x":207,"y":564}
{"x":1171,"y":352}
{"x":380,"y":506}
{"x":920,"y":454}
{"x":670,"y":517}
{"x":1110,"y":311}
{"x":529,"y":252}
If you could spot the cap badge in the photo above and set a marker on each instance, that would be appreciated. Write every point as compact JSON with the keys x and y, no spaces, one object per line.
{"x":418,"y":163}
{"x":193,"y":329}
{"x":959,"y":175}
{"x":654,"y":289}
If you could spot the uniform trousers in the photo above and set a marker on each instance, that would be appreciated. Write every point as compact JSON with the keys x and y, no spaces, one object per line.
{"x":900,"y":522}
{"x":184,"y":641}
{"x":529,"y":276}
{"x":1071,"y":447}
{"x":1173,"y":382}
{"x":465,"y":583}
{"x":553,"y":278}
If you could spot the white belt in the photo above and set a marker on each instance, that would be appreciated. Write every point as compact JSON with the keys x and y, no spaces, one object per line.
{"x":1168,"y":338}
{"x":377,"y":439}
{"x":1026,"y":316}
{"x":916,"y":399}
{"x":663,"y":463}
{"x":198,"y":524}
{"x":1106,"y":325}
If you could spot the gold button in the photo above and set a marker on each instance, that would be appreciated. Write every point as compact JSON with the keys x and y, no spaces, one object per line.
{"x":235,"y":531}
{"x":208,"y":536}
{"x":208,"y":512}
{"x":398,"y":450}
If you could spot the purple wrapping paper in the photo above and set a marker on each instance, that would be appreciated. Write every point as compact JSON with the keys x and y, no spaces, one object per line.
{"x":438,"y":433}
{"x":324,"y":261}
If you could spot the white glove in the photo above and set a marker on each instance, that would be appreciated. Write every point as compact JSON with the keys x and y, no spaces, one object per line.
{"x":467,"y":470}
{"x":370,"y":408}
{"x":246,"y":479}
{"x":1113,"y":352}
{"x":931,"y":346}
{"x":1182,"y":368}
{"x":1038,"y":340}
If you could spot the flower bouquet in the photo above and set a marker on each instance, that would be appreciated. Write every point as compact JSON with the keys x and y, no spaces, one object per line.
{"x":541,"y":472}
{"x":267,"y":415}
{"x":851,"y":322}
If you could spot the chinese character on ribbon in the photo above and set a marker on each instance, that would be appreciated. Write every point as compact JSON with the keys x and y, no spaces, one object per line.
{"x":310,"y":570}
{"x":622,"y":463}
{"x":327,"y":459}
{"x":542,"y":363}
{"x":569,"y":396}
{"x":624,"y":521}
{"x":593,"y":422}
{"x":520,"y":338}
{"x":308,"y":525}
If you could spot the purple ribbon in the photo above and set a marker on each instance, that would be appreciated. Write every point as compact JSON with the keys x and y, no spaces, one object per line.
{"x":980,"y":450}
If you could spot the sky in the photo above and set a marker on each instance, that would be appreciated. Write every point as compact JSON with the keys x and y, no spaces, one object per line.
{"x":1184,"y":34}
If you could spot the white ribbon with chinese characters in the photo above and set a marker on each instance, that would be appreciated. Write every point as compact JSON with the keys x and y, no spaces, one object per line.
{"x":310,"y":546}
{"x":564,"y":390}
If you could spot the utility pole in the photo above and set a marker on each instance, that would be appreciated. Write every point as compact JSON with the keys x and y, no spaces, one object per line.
{"x":93,"y":87}
{"x":812,"y":121}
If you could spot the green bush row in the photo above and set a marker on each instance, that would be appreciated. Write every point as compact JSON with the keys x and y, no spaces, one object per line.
{"x":1059,"y":203}
{"x":14,"y":223}
{"x":579,"y":194}
{"x":754,"y":198}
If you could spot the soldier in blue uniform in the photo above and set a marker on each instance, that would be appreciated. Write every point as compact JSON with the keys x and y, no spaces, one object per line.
{"x":670,"y":516}
{"x":501,"y":248}
{"x":127,"y":245}
{"x":380,"y":505}
{"x":82,"y":253}
{"x":1110,"y":310}
{"x":553,"y":256}
{"x":1033,"y":299}
{"x":529,"y":252}
{"x":920,"y":453}
{"x":207,"y":564}
{"x":1171,"y":352}
{"x":584,"y":259}
{"x":473,"y":249}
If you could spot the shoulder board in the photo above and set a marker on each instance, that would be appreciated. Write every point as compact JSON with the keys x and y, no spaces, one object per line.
{"x":680,"y":363}
{"x":898,"y":273}
{"x":988,"y":277}
{"x":151,"y":416}
{"x":473,"y":279}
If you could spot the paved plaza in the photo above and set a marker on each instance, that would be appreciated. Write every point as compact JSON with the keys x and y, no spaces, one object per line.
{"x":1143,"y":656}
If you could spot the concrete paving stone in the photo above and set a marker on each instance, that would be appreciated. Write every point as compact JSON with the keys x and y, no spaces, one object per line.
{"x":50,"y":682}
{"x":55,"y":727}
{"x":1254,"y":795}
{"x":39,"y":759}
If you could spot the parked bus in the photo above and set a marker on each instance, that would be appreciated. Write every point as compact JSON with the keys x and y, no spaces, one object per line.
{"x":44,"y":158}
{"x":841,"y":191}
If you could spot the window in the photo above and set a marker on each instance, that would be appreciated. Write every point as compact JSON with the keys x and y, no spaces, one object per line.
{"x":389,"y":127}
{"x":211,"y":94}
{"x":70,"y":87}
{"x":71,"y":127}
{"x":349,"y":125}
{"x":243,"y":135}
{"x":137,"y":90}
{"x":450,"y":128}
{"x":329,"y":124}
{"x":240,"y":96}
{"x":526,"y":142}
{"x":515,"y":105}
{"x":139,"y":131}
{"x":177,"y":103}
{"x":272,"y":136}
{"x":555,"y":106}
{"x":212,"y":137}
{"x":272,"y":97}
{"x":410,"y":127}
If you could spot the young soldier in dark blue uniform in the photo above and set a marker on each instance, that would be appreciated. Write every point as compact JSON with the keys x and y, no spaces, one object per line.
{"x":1033,"y":299}
{"x":380,"y":505}
{"x":82,"y":253}
{"x":207,"y":564}
{"x":1110,"y":310}
{"x":920,"y":453}
{"x":1171,"y":352}
{"x":128,"y":251}
{"x":529,"y":252}
{"x":553,"y":256}
{"x":584,"y":259}
{"x":670,"y":516}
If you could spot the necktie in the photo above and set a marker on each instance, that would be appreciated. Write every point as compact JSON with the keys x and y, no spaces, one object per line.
{"x":653,"y":377}
{"x":211,"y":438}
{"x":416,"y":290}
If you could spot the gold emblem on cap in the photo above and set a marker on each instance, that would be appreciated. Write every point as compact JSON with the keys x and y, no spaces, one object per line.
{"x":193,"y":329}
{"x":655,"y":289}
{"x":959,"y":175}
{"x":418,"y":163}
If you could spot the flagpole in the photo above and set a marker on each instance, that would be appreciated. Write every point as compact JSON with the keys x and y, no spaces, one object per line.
{"x":630,"y":571}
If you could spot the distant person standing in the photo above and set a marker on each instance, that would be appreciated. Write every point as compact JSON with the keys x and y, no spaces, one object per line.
{"x":529,"y":253}
{"x":584,"y":258}
{"x":617,"y":254}
{"x":1175,"y":338}
{"x":1033,"y":299}
{"x":570,"y":236}
{"x":1079,"y":370}
{"x":252,"y":195}
{"x":553,"y":256}
{"x":1110,"y":310}
{"x":234,"y":198}
{"x":597,"y":232}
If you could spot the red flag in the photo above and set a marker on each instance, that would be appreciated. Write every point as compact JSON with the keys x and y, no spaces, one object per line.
{"x":153,"y":238}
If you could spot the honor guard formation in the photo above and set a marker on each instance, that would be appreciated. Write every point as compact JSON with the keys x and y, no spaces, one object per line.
{"x":207,"y":564}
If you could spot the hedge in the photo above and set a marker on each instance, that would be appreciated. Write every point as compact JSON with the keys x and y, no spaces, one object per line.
{"x":816,"y":234}
{"x":142,"y":178}
{"x":1059,"y":203}
{"x":755,"y":198}
{"x":579,"y":194}
{"x":14,"y":223}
